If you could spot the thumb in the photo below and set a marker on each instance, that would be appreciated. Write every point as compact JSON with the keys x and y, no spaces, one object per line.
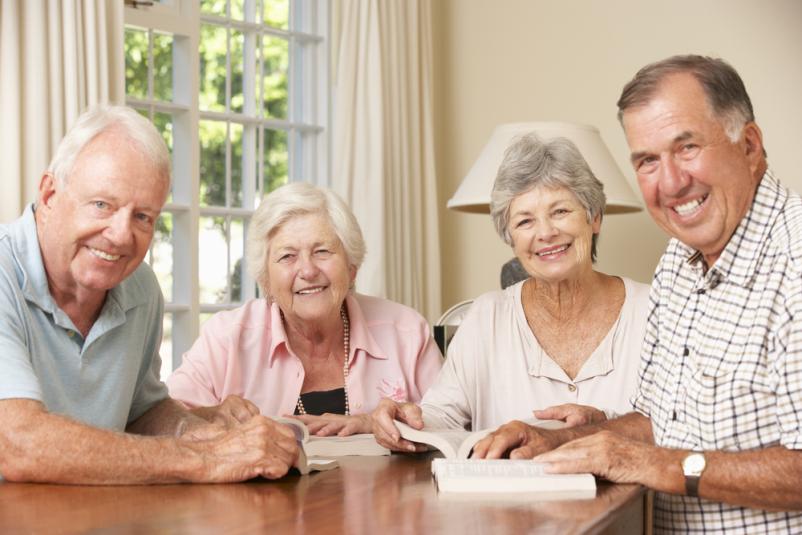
{"x":550,"y":413}
{"x":411,"y":415}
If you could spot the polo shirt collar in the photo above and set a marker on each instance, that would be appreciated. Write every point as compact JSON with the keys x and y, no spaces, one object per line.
{"x":739,"y":259}
{"x":123,"y":297}
{"x":360,"y":336}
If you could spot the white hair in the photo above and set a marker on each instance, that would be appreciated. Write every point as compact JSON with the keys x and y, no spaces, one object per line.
{"x":99,"y":119}
{"x":296,"y":199}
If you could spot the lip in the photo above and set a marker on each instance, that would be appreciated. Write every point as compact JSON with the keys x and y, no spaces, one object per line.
{"x":689,"y":209}
{"x":555,"y":251}
{"x":310,"y":290}
{"x":103,"y":255}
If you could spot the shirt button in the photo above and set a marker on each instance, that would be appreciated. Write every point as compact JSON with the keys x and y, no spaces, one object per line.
{"x":571,"y":388}
{"x":70,"y":333}
{"x":358,"y":405}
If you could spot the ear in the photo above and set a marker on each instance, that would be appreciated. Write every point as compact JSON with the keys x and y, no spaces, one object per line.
{"x":753,"y":146}
{"x":596,"y":224}
{"x":47,"y":191}
{"x":352,"y":275}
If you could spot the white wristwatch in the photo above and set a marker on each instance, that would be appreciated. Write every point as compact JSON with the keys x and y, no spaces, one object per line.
{"x":692,"y":466}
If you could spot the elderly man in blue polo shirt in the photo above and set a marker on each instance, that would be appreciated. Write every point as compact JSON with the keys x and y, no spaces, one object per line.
{"x":717,"y":422}
{"x":80,"y":328}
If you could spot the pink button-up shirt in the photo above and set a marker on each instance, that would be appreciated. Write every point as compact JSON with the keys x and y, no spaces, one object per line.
{"x":245,"y":352}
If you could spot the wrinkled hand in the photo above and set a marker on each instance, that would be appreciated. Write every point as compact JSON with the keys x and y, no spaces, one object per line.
{"x":258,"y":447}
{"x":329,"y":424}
{"x":385,"y":431}
{"x":572,"y":414}
{"x":606,"y":454}
{"x":522,"y":441}
{"x":233,"y":410}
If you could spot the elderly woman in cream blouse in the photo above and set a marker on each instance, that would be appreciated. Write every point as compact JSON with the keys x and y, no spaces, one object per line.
{"x":566,"y":341}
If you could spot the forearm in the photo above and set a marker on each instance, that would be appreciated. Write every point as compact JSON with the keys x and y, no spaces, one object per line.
{"x":51,"y":448}
{"x":168,"y":417}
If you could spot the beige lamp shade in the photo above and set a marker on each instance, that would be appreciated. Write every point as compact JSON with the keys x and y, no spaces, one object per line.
{"x":473,"y":194}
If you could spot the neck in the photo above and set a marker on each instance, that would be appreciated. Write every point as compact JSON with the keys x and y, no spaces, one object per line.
{"x":315,"y":339}
{"x":566,"y":298}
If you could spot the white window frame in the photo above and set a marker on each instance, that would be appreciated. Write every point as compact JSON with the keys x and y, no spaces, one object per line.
{"x":182,"y":19}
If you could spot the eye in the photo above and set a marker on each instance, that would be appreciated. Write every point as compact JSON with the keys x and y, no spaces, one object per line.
{"x":101,"y":205}
{"x":561,"y":211}
{"x":286,"y":257}
{"x":144,"y":218}
{"x":689,"y":150}
{"x":523,"y":222}
{"x":646,"y":164}
{"x":322,"y":253}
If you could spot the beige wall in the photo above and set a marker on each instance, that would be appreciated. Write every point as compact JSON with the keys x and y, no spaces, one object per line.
{"x":505,"y":61}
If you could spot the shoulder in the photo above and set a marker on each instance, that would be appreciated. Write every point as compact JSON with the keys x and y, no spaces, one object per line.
{"x":786,"y":233}
{"x":637,"y":293}
{"x":256,"y":313}
{"x":379,"y":310}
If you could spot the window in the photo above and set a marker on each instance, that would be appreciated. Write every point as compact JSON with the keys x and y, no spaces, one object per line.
{"x":239,"y":90}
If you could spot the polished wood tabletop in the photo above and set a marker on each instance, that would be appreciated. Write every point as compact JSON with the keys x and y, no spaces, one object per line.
{"x":383,"y":495}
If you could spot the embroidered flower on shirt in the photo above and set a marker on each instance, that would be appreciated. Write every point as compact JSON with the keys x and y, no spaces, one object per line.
{"x":394,"y":391}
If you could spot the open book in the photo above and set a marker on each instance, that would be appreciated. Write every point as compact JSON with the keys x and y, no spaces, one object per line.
{"x":315,"y":447}
{"x":505,"y":477}
{"x":458,"y":443}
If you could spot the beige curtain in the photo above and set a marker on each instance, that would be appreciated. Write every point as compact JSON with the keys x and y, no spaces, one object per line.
{"x":57,"y":57}
{"x":383,"y":145}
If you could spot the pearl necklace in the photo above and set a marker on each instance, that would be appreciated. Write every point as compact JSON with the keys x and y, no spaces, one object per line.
{"x":346,"y":351}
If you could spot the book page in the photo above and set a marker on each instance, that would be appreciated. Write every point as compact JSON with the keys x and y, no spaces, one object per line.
{"x":360,"y":444}
{"x":297,"y":426}
{"x":448,"y":441}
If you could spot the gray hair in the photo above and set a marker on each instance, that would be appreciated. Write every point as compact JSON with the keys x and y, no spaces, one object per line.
{"x":99,"y":119}
{"x":725,"y":91}
{"x":557,"y":163}
{"x":295,"y":199}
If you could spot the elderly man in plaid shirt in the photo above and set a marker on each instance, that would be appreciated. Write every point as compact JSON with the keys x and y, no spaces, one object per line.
{"x":717,"y":422}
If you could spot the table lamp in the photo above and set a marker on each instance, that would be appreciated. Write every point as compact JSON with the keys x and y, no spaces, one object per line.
{"x":473,"y":194}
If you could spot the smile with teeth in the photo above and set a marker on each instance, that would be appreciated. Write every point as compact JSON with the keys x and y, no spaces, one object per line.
{"x":690,"y":206}
{"x":551,"y":252}
{"x":104,"y":255}
{"x":308,"y":291}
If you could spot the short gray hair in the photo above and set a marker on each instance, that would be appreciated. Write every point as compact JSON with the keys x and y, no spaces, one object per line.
{"x":725,"y":91}
{"x":99,"y":119}
{"x":557,"y":163}
{"x":296,"y":199}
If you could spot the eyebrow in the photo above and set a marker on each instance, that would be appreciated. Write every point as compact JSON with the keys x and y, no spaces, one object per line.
{"x":683,"y":136}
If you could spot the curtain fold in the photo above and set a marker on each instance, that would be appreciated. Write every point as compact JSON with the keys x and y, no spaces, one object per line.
{"x":383,"y":145}
{"x":56,"y":59}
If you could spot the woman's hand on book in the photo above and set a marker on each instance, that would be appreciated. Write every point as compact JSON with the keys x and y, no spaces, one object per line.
{"x":328,"y":424}
{"x":572,"y":414}
{"x":387,"y":433}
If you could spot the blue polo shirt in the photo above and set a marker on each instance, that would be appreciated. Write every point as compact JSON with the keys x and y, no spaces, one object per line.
{"x":108,"y":379}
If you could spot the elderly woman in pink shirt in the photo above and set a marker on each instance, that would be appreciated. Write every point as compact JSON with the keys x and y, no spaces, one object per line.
{"x":312,"y":346}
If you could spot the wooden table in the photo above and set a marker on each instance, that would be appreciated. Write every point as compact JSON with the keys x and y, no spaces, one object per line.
{"x":381,"y":495}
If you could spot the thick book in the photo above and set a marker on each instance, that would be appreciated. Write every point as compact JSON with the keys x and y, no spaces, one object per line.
{"x":458,"y":443}
{"x":314,"y":446}
{"x":502,"y":477}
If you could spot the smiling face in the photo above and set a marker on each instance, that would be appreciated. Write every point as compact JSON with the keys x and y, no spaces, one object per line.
{"x":95,"y":229}
{"x":551,"y":235}
{"x":308,"y":273}
{"x":696,"y":182}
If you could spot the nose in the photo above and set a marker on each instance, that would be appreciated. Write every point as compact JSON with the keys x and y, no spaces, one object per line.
{"x":673,"y":179}
{"x":307,"y":268}
{"x":545,"y":229}
{"x":120,"y":230}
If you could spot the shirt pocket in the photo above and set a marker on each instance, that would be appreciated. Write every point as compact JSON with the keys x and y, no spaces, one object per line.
{"x":732,"y":407}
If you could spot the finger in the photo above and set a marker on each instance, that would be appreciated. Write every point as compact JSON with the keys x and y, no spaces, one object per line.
{"x":411,"y":415}
{"x":383,"y":423}
{"x":523,"y":452}
{"x":575,"y":419}
{"x":555,"y":412}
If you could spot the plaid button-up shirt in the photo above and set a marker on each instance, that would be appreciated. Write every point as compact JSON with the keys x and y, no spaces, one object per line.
{"x":722,"y":357}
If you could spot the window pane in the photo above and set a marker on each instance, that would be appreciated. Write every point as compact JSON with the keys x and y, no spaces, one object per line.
{"x":163,"y":67}
{"x":136,"y":63}
{"x":161,"y":254}
{"x":275,"y":159}
{"x":236,"y":164}
{"x":212,"y":260}
{"x":166,"y":350}
{"x":237,"y":249}
{"x":275,"y":57}
{"x":237,"y":98}
{"x":213,"y":7}
{"x":277,"y":13}
{"x":212,"y":52}
{"x":237,"y":9}
{"x":212,"y":136}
